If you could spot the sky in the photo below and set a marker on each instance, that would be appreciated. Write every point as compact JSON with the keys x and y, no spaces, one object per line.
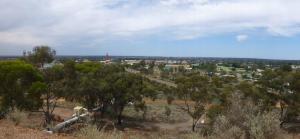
{"x":189,"y":28}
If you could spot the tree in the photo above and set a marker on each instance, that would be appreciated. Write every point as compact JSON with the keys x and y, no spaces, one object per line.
{"x":274,"y":86}
{"x":127,"y":88}
{"x":41,"y":55}
{"x":109,"y":88}
{"x":249,"y":90}
{"x":91,"y":92}
{"x":70,"y":70}
{"x":70,"y":81}
{"x":193,"y":89}
{"x":51,"y":89}
{"x":282,"y":86}
{"x":293,"y":98}
{"x":286,"y":68}
{"x":93,"y":89}
{"x":17,"y":77}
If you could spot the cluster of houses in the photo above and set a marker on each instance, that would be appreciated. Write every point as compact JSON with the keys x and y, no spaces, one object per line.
{"x":176,"y":66}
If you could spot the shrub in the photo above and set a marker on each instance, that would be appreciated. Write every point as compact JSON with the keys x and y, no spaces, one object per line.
{"x":92,"y":132}
{"x":17,"y":116}
{"x":167,"y":111}
{"x":244,"y":119}
{"x":223,"y":128}
{"x":265,"y":125}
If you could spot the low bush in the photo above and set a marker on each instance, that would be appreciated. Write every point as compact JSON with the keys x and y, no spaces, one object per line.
{"x":244,"y":119}
{"x":92,"y":132}
{"x":16,"y":116}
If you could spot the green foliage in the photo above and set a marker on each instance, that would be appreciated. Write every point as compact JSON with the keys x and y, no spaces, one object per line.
{"x":87,"y":67}
{"x":214,"y":111}
{"x":69,"y":70}
{"x":41,"y":55}
{"x":208,"y":67}
{"x":194,"y":89}
{"x":257,"y":93}
{"x":293,"y":97}
{"x":283,"y":87}
{"x":110,"y":88}
{"x":286,"y":68}
{"x":17,"y":78}
{"x":125,"y":88}
{"x":47,"y":93}
{"x":70,"y":80}
{"x":35,"y":94}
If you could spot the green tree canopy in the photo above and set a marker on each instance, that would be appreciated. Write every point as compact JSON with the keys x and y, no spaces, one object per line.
{"x":17,"y":77}
{"x":194,"y":90}
{"x":41,"y":55}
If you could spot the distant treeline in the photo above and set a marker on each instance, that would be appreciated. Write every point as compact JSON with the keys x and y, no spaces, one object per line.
{"x":188,"y":59}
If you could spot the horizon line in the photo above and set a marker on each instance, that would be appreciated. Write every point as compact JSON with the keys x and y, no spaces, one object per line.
{"x":254,"y":58}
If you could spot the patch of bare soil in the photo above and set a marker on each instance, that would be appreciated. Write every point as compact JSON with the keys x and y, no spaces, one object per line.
{"x":10,"y":131}
{"x":65,"y":113}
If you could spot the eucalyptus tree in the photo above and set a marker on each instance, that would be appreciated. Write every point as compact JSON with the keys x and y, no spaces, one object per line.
{"x":91,"y":85}
{"x":194,"y":90}
{"x":128,"y":88}
{"x":293,"y":97}
{"x":41,"y":55}
{"x":70,"y":81}
{"x":283,"y":86}
{"x":17,"y":77}
{"x":51,"y":90}
{"x":110,"y":88}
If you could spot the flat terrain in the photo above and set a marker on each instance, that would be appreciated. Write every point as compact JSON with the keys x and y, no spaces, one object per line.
{"x":9,"y":131}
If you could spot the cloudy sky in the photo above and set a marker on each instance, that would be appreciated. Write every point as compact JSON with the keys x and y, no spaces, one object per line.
{"x":204,"y":28}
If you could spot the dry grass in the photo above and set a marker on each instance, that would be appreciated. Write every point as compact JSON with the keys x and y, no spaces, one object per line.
{"x":91,"y":132}
{"x":10,"y":131}
{"x":16,"y":116}
{"x":164,"y":102}
{"x":261,"y":125}
{"x":157,"y":113}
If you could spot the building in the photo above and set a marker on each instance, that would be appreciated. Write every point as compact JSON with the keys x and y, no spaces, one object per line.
{"x":131,"y":62}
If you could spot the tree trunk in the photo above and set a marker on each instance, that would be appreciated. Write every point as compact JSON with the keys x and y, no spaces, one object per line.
{"x":120,"y":115}
{"x":73,"y":120}
{"x":47,"y":118}
{"x":47,"y":111}
{"x":103,"y":109}
{"x":47,"y":114}
{"x":282,"y":117}
{"x":119,"y":119}
{"x":193,"y":127}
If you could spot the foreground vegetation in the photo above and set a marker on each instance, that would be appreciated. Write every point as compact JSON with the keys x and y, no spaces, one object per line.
{"x":212,"y":106}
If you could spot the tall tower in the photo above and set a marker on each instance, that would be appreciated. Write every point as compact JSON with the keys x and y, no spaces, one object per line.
{"x":107,"y":58}
{"x":24,"y":53}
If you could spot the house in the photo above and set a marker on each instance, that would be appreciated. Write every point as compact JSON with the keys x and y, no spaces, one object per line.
{"x":131,"y":62}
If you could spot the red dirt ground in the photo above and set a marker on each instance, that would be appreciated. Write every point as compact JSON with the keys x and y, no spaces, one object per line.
{"x":10,"y":131}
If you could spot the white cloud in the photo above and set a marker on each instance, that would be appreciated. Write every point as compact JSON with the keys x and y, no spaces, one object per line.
{"x":68,"y":21}
{"x":20,"y":38}
{"x":241,"y":38}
